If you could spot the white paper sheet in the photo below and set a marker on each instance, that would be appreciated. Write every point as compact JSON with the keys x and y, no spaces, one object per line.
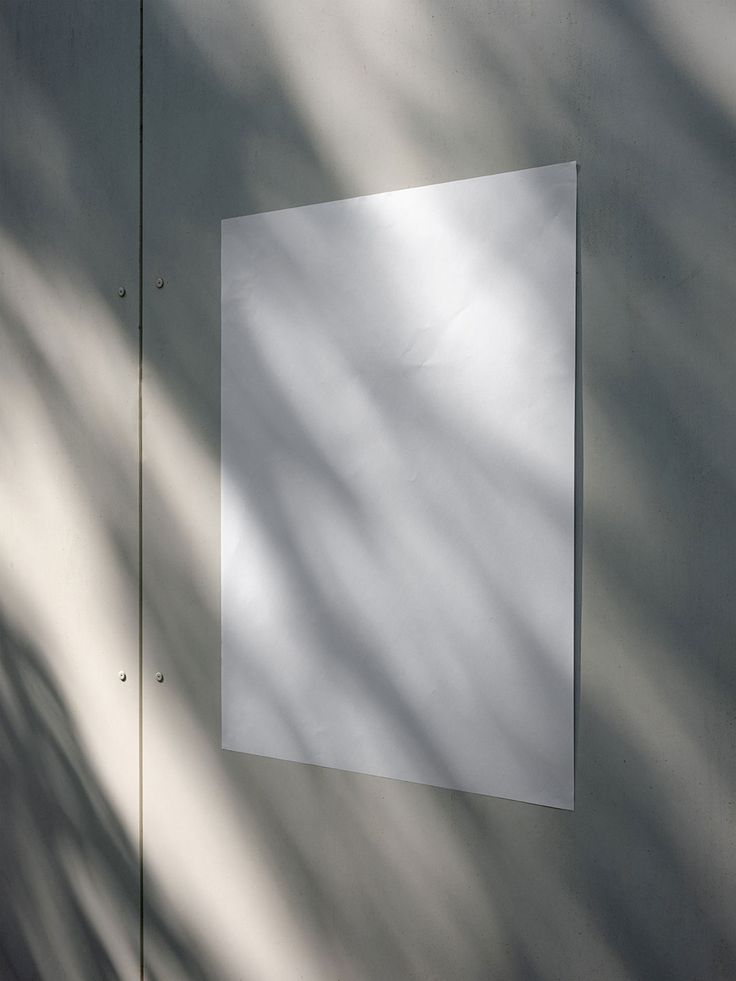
{"x":398,"y":483}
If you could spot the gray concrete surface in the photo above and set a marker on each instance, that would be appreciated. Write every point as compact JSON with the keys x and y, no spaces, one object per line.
{"x":268,"y":870}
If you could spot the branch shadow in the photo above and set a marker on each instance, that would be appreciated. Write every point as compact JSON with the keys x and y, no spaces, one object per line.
{"x":381,"y":878}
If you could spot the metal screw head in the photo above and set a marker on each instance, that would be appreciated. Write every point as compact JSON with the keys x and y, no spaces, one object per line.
{"x":121,"y":291}
{"x":159,"y":677}
{"x":122,"y":675}
{"x":159,"y":283}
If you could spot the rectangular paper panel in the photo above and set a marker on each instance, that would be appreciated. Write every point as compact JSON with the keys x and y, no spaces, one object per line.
{"x":398,"y":484}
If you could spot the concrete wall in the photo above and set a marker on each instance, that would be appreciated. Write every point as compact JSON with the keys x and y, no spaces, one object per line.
{"x":69,"y":870}
{"x":268,"y":870}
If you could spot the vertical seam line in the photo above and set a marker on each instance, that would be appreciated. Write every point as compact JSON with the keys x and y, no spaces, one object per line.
{"x":141,"y":922}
